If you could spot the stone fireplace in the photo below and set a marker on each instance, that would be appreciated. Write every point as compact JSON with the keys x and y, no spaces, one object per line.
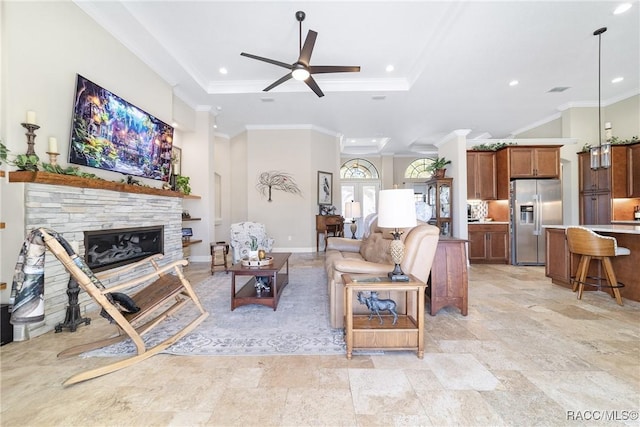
{"x":75,"y":209}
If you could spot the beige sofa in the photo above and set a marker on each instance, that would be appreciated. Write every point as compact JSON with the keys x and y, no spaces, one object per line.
{"x":371,"y":256}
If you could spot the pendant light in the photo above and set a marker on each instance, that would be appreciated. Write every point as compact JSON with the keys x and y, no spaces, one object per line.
{"x":600,"y":155}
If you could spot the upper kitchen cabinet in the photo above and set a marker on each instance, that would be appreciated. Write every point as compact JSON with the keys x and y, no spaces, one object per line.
{"x":534,"y":162}
{"x":614,"y":179}
{"x":516,"y":162}
{"x":634,"y":169}
{"x":481,"y":175}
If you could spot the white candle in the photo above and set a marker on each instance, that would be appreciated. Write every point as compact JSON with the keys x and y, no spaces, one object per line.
{"x":53,"y":145}
{"x":31,"y":117}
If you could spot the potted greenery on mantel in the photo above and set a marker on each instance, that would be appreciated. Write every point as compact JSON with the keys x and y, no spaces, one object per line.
{"x":437,"y":167}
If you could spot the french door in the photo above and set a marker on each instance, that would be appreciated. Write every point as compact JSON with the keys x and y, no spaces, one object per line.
{"x":365,"y":192}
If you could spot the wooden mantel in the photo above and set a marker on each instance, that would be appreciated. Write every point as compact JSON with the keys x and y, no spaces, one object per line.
{"x":76,"y":181}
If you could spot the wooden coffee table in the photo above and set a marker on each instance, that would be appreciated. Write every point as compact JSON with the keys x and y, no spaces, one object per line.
{"x":247,"y":294}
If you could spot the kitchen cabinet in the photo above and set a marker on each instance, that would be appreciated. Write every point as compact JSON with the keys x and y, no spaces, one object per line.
{"x":557,"y":267}
{"x":440,"y":198}
{"x":534,"y":162}
{"x":613,"y":179}
{"x":562,"y":265}
{"x":516,"y":162}
{"x":595,"y":208}
{"x":634,"y":169}
{"x":489,"y":243}
{"x":598,"y":187}
{"x":481,"y":175}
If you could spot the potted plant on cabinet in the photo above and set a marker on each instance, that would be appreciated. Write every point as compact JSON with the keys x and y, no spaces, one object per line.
{"x":437,"y":167}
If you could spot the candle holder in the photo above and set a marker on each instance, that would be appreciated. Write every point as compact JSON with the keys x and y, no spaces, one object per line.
{"x":53,"y":158}
{"x":31,"y":136}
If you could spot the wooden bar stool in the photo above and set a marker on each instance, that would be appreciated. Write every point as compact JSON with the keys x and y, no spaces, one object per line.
{"x":590,"y":245}
{"x":219,"y":249}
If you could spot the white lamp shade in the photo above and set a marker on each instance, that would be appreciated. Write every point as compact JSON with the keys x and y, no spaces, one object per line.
{"x":352,"y":210}
{"x":396,"y":208}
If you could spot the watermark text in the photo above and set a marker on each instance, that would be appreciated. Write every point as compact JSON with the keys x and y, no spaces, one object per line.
{"x":603,"y":415}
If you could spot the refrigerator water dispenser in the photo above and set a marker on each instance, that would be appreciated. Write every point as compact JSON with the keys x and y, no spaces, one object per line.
{"x":526,"y":214}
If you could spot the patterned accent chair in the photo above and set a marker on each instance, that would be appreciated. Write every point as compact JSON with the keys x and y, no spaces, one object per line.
{"x":248,"y":235}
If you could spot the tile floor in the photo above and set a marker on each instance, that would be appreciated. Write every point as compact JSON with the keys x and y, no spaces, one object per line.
{"x":528,"y":353}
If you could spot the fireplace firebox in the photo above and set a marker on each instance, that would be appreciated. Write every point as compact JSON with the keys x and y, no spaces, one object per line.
{"x":106,"y":249}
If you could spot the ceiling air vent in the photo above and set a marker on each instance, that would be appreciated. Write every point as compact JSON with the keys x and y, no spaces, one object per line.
{"x":559,"y":89}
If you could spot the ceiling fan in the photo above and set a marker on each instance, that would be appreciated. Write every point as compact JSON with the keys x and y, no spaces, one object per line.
{"x":301,"y":69}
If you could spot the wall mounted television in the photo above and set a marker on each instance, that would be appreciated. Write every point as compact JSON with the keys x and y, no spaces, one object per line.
{"x":110,"y":133}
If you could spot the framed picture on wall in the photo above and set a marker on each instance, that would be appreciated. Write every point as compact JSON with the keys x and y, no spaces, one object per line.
{"x":176,"y":160}
{"x":325,"y":188}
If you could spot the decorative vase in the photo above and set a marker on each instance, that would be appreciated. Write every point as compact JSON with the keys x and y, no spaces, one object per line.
{"x":253,"y":254}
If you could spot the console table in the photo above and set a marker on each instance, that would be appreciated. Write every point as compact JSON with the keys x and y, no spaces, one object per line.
{"x":448,"y":283}
{"x":328,"y":224}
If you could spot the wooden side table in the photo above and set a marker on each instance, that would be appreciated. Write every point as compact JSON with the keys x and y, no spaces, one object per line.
{"x":448,"y":283}
{"x":220,"y":249}
{"x":406,"y":334}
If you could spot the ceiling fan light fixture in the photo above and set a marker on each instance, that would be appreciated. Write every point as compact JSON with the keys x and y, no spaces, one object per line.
{"x":300,"y":72}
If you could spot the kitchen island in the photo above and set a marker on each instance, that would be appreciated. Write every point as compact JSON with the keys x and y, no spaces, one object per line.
{"x":561,"y":265}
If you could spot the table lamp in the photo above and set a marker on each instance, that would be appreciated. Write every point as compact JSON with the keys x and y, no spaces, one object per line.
{"x":397,"y":209}
{"x":352,"y":210}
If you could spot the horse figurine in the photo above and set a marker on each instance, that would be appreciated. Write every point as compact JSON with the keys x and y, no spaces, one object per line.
{"x":376,"y":305}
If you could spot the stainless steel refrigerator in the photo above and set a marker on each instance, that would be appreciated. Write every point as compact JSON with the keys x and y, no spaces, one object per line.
{"x":534,"y":203}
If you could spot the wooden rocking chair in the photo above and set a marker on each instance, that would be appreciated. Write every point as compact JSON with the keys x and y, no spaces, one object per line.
{"x":164,"y":295}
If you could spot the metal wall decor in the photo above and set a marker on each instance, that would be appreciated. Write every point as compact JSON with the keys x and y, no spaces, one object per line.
{"x":278,"y":181}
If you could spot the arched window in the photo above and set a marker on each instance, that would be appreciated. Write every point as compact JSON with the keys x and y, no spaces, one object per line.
{"x":358,"y":169}
{"x":418,"y":169}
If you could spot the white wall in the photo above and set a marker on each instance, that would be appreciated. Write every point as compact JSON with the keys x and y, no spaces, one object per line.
{"x":624,"y":117}
{"x":44,"y":45}
{"x":300,"y":152}
{"x":223,"y":166}
{"x":198,"y":165}
{"x":454,"y":148}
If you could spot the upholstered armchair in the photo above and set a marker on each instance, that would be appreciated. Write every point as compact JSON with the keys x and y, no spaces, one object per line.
{"x":249,"y":236}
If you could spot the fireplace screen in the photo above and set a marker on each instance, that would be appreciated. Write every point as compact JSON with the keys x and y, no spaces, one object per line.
{"x":107,"y":249}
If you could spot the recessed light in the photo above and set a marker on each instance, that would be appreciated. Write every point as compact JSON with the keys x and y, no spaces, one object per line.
{"x":174,"y":124}
{"x":223,"y":70}
{"x":513,"y":83}
{"x":617,"y":80}
{"x":622,"y":8}
{"x":389,"y":68}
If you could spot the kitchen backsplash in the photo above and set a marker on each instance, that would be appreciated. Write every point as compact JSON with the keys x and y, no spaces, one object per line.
{"x":497,"y":210}
{"x":479,"y":209}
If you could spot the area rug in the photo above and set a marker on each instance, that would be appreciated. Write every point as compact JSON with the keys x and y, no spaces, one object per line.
{"x":299,"y":326}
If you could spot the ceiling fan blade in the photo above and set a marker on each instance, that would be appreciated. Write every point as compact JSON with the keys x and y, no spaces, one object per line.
{"x":270,"y":61}
{"x":277,"y":82}
{"x":333,"y":69}
{"x":314,"y":86}
{"x":307,"y":49}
